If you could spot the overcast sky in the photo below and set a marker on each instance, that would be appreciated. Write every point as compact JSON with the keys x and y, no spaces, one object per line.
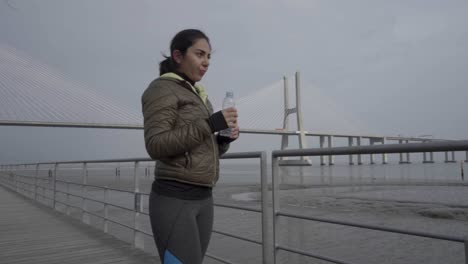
{"x":393,"y":67}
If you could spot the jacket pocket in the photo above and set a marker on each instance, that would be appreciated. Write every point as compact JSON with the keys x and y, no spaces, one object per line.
{"x":188,"y":160}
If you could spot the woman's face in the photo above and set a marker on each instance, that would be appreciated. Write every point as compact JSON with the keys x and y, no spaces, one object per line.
{"x":196,"y":60}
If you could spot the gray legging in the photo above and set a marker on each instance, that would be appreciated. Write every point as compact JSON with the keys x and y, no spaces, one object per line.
{"x":181,"y":228}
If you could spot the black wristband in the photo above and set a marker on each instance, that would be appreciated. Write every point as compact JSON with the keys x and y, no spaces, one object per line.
{"x":217,"y":122}
{"x":224,"y":140}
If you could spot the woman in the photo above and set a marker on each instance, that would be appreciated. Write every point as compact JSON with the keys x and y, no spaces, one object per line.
{"x":181,"y":134}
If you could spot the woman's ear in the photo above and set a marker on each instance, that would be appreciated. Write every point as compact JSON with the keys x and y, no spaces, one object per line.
{"x":177,"y":56}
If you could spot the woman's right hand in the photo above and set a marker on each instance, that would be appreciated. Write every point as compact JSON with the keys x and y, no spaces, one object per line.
{"x":230,"y":115}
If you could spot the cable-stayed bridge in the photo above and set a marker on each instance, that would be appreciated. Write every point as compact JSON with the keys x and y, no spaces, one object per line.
{"x":34,"y":94}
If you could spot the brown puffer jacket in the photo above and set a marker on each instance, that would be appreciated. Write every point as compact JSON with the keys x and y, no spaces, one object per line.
{"x":177,"y":133}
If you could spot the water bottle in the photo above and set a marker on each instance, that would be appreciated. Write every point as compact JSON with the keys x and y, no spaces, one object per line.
{"x":227,"y":102}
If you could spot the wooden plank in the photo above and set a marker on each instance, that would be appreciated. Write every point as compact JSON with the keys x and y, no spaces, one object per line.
{"x":33,"y":233}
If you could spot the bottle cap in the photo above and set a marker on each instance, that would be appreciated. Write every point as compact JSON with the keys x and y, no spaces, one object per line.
{"x":229,"y":94}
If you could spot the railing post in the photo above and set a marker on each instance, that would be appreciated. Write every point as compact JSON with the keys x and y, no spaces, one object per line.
{"x":462,"y":173}
{"x":276,"y":205}
{"x":36,"y":174}
{"x":16,"y":180}
{"x":322,"y":158}
{"x":33,"y":184}
{"x":24,"y":184}
{"x":401,"y":153}
{"x":84,"y":191}
{"x":68,"y":198}
{"x":408,"y":154}
{"x":55,"y":185}
{"x":359,"y":157}
{"x":44,"y":188}
{"x":330,"y":145}
{"x":138,"y":240}
{"x":371,"y":156}
{"x":466,"y":250}
{"x":265,"y":224}
{"x":117,"y":172}
{"x":106,"y":209}
{"x":350,"y":143}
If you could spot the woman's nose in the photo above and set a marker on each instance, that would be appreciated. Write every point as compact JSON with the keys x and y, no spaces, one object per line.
{"x":206,"y":62}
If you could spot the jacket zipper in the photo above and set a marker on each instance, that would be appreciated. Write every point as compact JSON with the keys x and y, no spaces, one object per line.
{"x":211,"y":136}
{"x":188,"y":160}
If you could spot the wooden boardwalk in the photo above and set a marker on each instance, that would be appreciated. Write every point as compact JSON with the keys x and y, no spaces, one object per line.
{"x":33,"y":233}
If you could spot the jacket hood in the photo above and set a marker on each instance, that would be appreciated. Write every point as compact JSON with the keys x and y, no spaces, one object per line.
{"x":197,"y":88}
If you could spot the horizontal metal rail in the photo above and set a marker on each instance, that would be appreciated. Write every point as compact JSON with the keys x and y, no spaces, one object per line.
{"x":98,"y":187}
{"x":70,"y":205}
{"x":238,"y":207}
{"x":374,"y":227}
{"x":239,"y":155}
{"x":302,"y":252}
{"x":138,"y":209}
{"x":455,"y":145}
{"x":140,"y":127}
{"x":101,"y":202}
{"x":218,"y":258}
{"x":106,"y":219}
{"x":69,"y":124}
{"x":78,"y":184}
{"x":436,"y":146}
{"x":238,"y":237}
{"x":118,"y":190}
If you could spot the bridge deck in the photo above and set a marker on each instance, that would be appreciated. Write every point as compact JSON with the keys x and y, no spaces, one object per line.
{"x":32,"y":233}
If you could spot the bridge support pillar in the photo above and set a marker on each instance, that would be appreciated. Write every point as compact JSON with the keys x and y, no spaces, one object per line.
{"x":401,"y":154}
{"x":431,"y":156}
{"x":408,"y":160}
{"x":371,"y":156}
{"x":384,"y":155}
{"x":404,"y":155}
{"x":452,"y":160}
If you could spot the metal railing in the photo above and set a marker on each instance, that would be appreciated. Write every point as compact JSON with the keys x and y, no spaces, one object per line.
{"x":270,"y":248}
{"x":376,"y":149}
{"x":30,"y":186}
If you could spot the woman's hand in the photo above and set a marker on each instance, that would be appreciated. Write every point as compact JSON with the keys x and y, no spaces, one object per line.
{"x":230,"y":115}
{"x":234,"y":132}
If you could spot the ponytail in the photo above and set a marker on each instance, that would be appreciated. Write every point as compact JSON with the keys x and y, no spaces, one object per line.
{"x":166,"y":66}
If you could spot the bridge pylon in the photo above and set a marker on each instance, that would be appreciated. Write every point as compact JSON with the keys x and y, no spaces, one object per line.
{"x":302,"y":161}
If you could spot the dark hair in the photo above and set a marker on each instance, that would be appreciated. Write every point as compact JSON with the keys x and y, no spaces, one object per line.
{"x":181,"y":41}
